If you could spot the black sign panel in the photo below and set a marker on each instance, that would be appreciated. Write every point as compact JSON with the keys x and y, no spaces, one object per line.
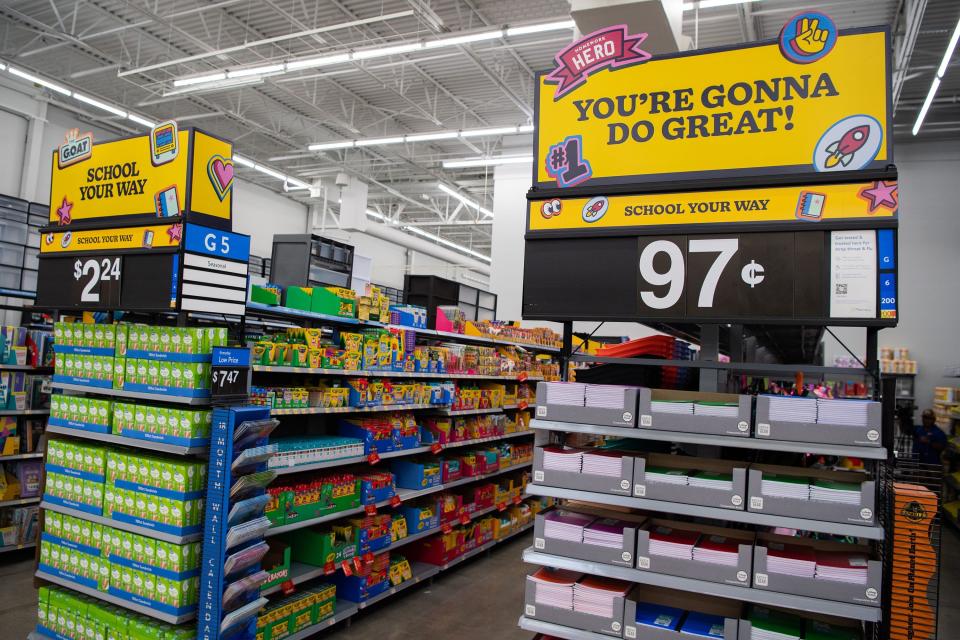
{"x":229,"y":375}
{"x":136,"y":282}
{"x":757,"y":277}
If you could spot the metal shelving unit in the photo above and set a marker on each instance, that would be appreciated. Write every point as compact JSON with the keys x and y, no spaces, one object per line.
{"x":21,"y":456}
{"x":304,"y":411}
{"x":342,"y":462}
{"x":116,"y":524}
{"x":19,"y":501}
{"x":869,"y":453}
{"x":746,"y":594}
{"x":387,"y":374}
{"x":135,"y":395}
{"x":714,"y":513}
{"x":120,"y":602}
{"x":128,"y":442}
{"x":558,"y":631}
{"x":18,"y":547}
{"x":24,"y":412}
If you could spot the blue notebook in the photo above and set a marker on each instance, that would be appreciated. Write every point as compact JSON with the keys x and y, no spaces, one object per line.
{"x":703,"y":625}
{"x":659,"y":616}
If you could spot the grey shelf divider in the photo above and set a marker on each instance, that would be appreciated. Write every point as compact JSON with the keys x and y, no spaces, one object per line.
{"x":692,"y":585}
{"x":129,"y":442}
{"x":144,"y":531}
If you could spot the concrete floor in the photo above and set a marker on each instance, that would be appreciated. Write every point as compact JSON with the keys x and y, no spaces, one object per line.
{"x":479,"y":600}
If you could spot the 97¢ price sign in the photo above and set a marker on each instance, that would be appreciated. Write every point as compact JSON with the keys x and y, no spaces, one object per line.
{"x":693,"y":276}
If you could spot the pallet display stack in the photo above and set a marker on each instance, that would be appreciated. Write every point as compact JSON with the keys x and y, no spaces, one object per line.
{"x":757,"y":506}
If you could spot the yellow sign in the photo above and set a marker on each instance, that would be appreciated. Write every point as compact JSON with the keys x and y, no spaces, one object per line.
{"x":829,"y":202}
{"x":745,"y":111}
{"x":156,"y":236}
{"x":119,"y":180}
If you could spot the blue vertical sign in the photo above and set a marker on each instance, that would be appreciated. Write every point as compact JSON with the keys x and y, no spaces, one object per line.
{"x":887,"y":267}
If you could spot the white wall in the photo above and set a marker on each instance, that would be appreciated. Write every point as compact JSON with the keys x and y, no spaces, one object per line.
{"x":929,"y":265}
{"x":261,"y":213}
{"x":389,"y":259}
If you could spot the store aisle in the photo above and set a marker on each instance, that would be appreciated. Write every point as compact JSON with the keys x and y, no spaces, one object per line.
{"x":18,"y":597}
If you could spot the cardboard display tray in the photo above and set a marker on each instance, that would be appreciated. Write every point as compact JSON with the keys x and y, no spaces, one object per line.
{"x":868,"y":436}
{"x":733,"y":499}
{"x":624,"y":416}
{"x":729,"y":609}
{"x":620,"y":485}
{"x":868,"y":594}
{"x":738,"y":575}
{"x":612,"y":627}
{"x":622,"y":557}
{"x":863,"y":513}
{"x":717,"y":426}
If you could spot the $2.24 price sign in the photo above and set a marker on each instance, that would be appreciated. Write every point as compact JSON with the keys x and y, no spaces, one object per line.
{"x":97,"y":280}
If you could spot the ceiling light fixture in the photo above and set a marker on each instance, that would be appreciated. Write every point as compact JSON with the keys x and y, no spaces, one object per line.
{"x":39,"y":81}
{"x":486,"y":162}
{"x":243,"y":162}
{"x":141,"y":121}
{"x":93,"y":102}
{"x":422,"y":137}
{"x":935,"y":85}
{"x":447,"y":243}
{"x":465,"y":200}
{"x":382,"y":51}
{"x":710,"y":4}
{"x":256,"y":71}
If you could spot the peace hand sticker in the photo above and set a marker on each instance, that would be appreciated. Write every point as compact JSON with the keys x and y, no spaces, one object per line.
{"x":808,"y":37}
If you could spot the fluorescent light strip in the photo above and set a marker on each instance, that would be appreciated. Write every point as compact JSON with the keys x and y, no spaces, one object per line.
{"x":384,"y":51}
{"x":141,"y":121}
{"x":486,"y":162}
{"x":447,"y":243}
{"x":422,"y":137}
{"x":935,"y":85}
{"x":465,"y":200}
{"x":40,"y":81}
{"x":100,"y":105}
{"x":243,"y":162}
{"x":710,"y":4}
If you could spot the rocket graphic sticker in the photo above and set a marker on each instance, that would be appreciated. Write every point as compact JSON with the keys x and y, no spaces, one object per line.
{"x":848,"y":145}
{"x":595,"y":209}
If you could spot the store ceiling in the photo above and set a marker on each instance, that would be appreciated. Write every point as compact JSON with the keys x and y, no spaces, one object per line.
{"x":130,"y":52}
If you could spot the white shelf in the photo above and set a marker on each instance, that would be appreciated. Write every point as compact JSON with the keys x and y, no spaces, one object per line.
{"x":385,"y":374}
{"x":136,"y":395}
{"x":129,"y":442}
{"x":24,"y":412}
{"x":18,"y":502}
{"x":18,"y":547}
{"x":24,"y":367}
{"x":869,"y":453}
{"x":469,"y":412}
{"x":405,"y":494}
{"x":120,"y":602}
{"x":21,"y":456}
{"x":715,"y":513}
{"x":341,"y":462}
{"x":690,"y":585}
{"x":303,"y":411}
{"x":116,"y":524}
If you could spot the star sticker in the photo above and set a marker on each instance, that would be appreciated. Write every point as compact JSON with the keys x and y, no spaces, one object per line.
{"x":175,"y":232}
{"x":64,"y":211}
{"x":881,"y":194}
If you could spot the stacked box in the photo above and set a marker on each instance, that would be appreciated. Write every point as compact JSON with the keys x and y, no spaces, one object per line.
{"x":294,"y":613}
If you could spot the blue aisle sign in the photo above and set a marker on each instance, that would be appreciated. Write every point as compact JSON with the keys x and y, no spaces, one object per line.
{"x":217,"y":243}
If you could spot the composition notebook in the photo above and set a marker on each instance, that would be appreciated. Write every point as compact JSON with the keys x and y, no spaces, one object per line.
{"x":817,"y":630}
{"x":774,"y":625}
{"x":703,"y":625}
{"x":659,"y":616}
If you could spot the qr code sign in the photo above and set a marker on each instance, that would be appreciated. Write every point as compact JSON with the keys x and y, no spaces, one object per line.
{"x":841,"y":289}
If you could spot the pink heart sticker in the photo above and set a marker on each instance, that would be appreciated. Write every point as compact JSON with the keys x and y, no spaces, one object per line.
{"x":220,"y":171}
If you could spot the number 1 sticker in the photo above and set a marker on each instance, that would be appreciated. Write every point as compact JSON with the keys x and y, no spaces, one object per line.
{"x":566,"y":163}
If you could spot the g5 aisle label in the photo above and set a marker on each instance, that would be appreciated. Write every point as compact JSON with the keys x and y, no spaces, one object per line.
{"x":215,"y":271}
{"x":730,"y":112}
{"x":792,"y":205}
{"x":815,"y":277}
{"x":157,"y":236}
{"x":120,"y":179}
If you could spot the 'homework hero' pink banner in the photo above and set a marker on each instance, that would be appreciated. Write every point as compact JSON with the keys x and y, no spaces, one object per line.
{"x":608,"y":47}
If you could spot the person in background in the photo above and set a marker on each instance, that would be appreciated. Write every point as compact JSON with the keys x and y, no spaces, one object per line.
{"x":929,"y":440}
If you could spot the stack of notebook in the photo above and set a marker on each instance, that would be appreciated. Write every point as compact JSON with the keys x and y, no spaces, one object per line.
{"x":604,"y":396}
{"x":673,"y":543}
{"x":658,"y":616}
{"x":791,"y":560}
{"x":835,"y":492}
{"x":561,"y":524}
{"x":595,"y":596}
{"x":793,"y":487}
{"x":710,"y":480}
{"x":600,"y":462}
{"x":840,"y":566}
{"x":717,"y":550}
{"x":702,"y":625}
{"x":666,"y":406}
{"x":817,"y":630}
{"x":568,"y":393}
{"x":605,"y":532}
{"x":562,"y":459}
{"x":847,"y":412}
{"x":717,"y":409}
{"x":554,"y":587}
{"x":666,"y":475}
{"x":793,"y":409}
{"x":768,"y":624}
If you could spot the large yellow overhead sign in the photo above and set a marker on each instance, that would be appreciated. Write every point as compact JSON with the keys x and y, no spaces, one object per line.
{"x":749,"y":111}
{"x":180,"y":174}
